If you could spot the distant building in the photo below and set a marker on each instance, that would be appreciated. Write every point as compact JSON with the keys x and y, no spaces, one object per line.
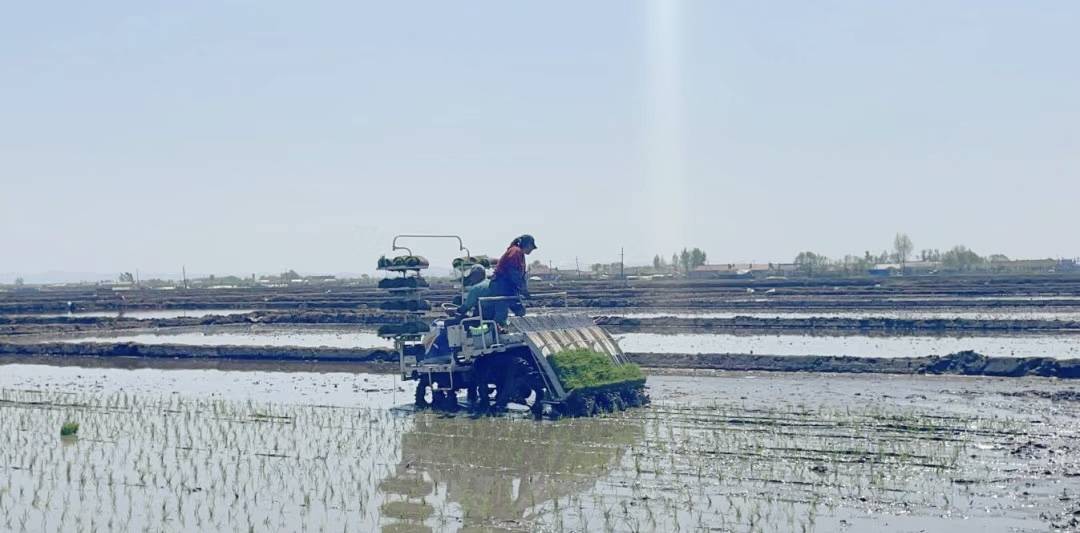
{"x":909,"y":268}
{"x":784,"y":269}
{"x":730,"y":270}
{"x":922,"y":267}
{"x":885,"y":269}
{"x":713,"y":272}
{"x":1030,"y":266}
{"x":573,"y":274}
{"x":543,"y":273}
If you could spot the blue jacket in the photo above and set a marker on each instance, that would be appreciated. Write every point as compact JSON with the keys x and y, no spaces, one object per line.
{"x":472,"y":297}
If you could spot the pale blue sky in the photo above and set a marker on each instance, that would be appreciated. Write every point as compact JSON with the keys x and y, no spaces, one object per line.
{"x":239,"y":137}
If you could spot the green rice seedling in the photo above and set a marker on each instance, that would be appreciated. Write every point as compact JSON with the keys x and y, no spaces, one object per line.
{"x":585,"y":368}
{"x":69,"y":429}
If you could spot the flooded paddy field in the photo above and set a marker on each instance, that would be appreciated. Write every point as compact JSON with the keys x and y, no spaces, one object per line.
{"x":213,"y":451}
{"x":249,"y":335}
{"x":1048,"y":353}
{"x":878,"y":346}
{"x":1065,"y":315}
{"x":924,"y":292}
{"x":990,"y":303}
{"x":255,"y":345}
{"x":141,"y":314}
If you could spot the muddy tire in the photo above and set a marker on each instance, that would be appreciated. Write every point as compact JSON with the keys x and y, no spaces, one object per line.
{"x":451,"y":403}
{"x":582,"y":405}
{"x":557,"y":411}
{"x":575,"y":406}
{"x":520,"y":383}
{"x":445,"y":400}
{"x":473,"y":397}
{"x":438,"y":400}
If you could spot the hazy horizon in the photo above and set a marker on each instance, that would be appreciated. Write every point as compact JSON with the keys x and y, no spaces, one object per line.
{"x":241,"y":137}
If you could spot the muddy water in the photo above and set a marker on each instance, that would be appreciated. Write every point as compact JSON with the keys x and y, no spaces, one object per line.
{"x":1012,"y":314}
{"x":332,"y":388}
{"x":1009,"y":298}
{"x":1055,"y":346}
{"x":733,"y":452}
{"x":149,"y":314}
{"x":339,"y":337}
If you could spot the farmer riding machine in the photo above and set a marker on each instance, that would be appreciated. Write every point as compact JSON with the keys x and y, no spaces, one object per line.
{"x":555,"y":364}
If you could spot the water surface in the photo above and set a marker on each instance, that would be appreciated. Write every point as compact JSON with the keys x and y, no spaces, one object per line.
{"x":145,"y":314}
{"x":1011,"y":314}
{"x":1056,"y":346}
{"x":311,"y":337}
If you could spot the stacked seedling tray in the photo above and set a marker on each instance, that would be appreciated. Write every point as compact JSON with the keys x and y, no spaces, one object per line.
{"x":407,"y":290}
{"x":463,"y":264}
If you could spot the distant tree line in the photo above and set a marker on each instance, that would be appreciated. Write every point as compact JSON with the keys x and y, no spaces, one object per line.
{"x":686,"y":260}
{"x":959,"y":258}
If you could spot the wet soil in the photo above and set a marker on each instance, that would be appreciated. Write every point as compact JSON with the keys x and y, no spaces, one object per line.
{"x":356,"y":306}
{"x":852,"y":343}
{"x":733,"y":451}
{"x":58,"y":350}
{"x":918,"y":292}
{"x":963,"y":363}
{"x":30,"y":324}
{"x":289,"y":349}
{"x":246,"y":335}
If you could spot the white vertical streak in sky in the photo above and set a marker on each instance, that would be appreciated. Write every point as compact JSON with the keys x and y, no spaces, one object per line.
{"x":666,"y":172}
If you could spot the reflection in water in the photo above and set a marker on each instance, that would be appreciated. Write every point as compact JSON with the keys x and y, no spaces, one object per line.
{"x":491,"y":472}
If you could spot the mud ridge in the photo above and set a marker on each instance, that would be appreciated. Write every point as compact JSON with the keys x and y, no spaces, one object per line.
{"x":914,"y":292}
{"x":966,"y":363}
{"x":183,"y":351}
{"x":25,"y":325}
{"x":962,"y":363}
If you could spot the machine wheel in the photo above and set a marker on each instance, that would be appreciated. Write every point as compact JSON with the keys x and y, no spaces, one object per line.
{"x":452,"y":401}
{"x":445,"y":400}
{"x":473,"y":396}
{"x":521,"y":384}
{"x":580,"y":405}
{"x":557,"y":411}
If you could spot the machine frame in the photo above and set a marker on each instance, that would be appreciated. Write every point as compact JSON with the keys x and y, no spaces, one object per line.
{"x":474,"y":341}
